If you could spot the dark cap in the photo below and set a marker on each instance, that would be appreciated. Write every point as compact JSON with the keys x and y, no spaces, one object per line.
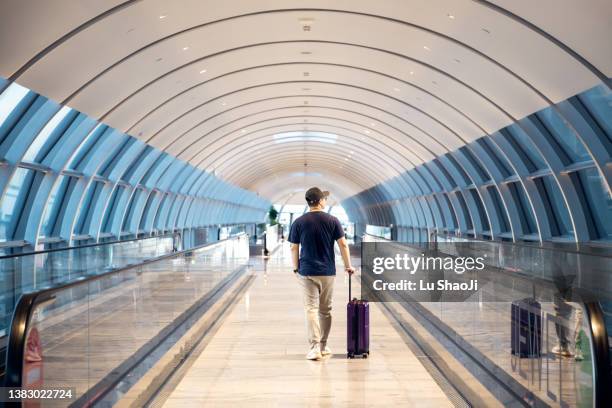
{"x":314,"y":194}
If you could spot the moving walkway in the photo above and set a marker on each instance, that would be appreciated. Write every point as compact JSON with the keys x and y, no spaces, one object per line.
{"x":573,"y":288}
{"x":102,"y":330}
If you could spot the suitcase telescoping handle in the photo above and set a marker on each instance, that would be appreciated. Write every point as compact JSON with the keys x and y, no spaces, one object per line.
{"x":350,"y":279}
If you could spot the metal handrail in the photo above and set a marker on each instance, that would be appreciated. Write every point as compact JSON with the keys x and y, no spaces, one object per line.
{"x":119,"y":241}
{"x":28,"y":302}
{"x":44,"y":251}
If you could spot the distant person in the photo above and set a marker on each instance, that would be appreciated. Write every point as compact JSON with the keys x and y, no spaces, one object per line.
{"x":315,"y":232}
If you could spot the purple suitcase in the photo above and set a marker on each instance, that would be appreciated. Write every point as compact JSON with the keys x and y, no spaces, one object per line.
{"x":357,"y":327}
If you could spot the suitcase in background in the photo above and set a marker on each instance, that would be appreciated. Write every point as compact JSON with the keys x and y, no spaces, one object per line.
{"x":357,"y":326}
{"x":526,"y":328}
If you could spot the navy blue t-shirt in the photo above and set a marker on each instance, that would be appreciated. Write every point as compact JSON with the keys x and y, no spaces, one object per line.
{"x":316,"y":232}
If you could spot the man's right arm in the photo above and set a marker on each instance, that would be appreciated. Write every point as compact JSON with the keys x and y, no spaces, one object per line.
{"x":346,"y":255}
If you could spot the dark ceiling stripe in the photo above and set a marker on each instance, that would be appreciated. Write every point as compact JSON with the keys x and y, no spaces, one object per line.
{"x":176,"y":138}
{"x":403,"y":169}
{"x":310,"y":125}
{"x":430,"y":116}
{"x":183,"y":92}
{"x":516,"y":18}
{"x":287,"y":151}
{"x":427,"y":66}
{"x":393,"y":20}
{"x":339,"y":146}
{"x":69,"y":35}
{"x":371,"y":118}
{"x":305,"y":124}
{"x":291,"y":160}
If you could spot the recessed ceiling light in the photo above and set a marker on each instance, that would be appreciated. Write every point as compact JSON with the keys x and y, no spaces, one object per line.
{"x":185,"y":48}
{"x":352,"y":152}
{"x":203,"y":71}
{"x":305,"y":89}
{"x":486,"y":31}
{"x":396,"y":89}
{"x":434,"y":82}
{"x":346,"y":159}
{"x":456,"y":60}
{"x":367,"y":131}
{"x":162,"y":17}
{"x":242,"y":131}
{"x":373,"y":124}
{"x":306,"y":52}
{"x":426,"y":48}
{"x":306,"y":23}
{"x":306,"y":73}
{"x":158,"y":59}
{"x":305,"y":102}
{"x":452,"y":17}
{"x":411,"y":72}
{"x":223,"y":103}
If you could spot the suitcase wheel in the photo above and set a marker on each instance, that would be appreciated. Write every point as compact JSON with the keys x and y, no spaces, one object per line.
{"x":365,"y":355}
{"x":350,"y":355}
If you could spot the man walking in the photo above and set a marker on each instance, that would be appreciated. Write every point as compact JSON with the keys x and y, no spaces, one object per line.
{"x":315,"y":233}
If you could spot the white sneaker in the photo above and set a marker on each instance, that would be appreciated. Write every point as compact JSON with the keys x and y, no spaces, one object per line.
{"x":314,"y":354}
{"x":562,"y":351}
{"x":326,"y":351}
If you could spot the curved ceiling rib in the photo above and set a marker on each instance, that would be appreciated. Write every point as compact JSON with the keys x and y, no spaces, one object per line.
{"x":445,"y":74}
{"x":585,"y":62}
{"x":487,"y":4}
{"x":365,"y":130}
{"x":222,"y":152}
{"x":221,"y":87}
{"x":367,"y":158}
{"x":411,"y":106}
{"x":292,"y":163}
{"x":41,"y":54}
{"x":237,"y":91}
{"x":295,"y":117}
{"x":191,"y":88}
{"x":179,"y":136}
{"x":286,"y":112}
{"x":387,"y":19}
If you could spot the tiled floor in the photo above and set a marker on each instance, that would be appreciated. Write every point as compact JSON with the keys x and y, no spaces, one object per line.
{"x":256,"y":359}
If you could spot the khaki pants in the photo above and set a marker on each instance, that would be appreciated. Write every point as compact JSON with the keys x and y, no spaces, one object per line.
{"x":317,"y":293}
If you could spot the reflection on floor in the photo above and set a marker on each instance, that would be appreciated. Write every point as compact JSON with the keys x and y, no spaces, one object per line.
{"x":257,"y":356}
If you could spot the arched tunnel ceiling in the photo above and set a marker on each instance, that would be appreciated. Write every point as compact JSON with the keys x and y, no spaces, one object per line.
{"x":395,"y":83}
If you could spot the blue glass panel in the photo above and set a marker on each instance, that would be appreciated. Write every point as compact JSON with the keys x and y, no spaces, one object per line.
{"x":45,"y":133}
{"x":520,"y":140}
{"x":51,"y":208}
{"x":557,"y":204}
{"x":524,"y":208}
{"x":464,"y":211}
{"x":504,"y":224}
{"x":480,"y":208}
{"x":599,"y":200}
{"x":599,"y":103}
{"x":563,"y":135}
{"x":9,"y":100}
{"x":86,"y":145}
{"x":10,"y":202}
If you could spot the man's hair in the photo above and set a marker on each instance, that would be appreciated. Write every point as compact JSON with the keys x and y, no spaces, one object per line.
{"x":313,"y":203}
